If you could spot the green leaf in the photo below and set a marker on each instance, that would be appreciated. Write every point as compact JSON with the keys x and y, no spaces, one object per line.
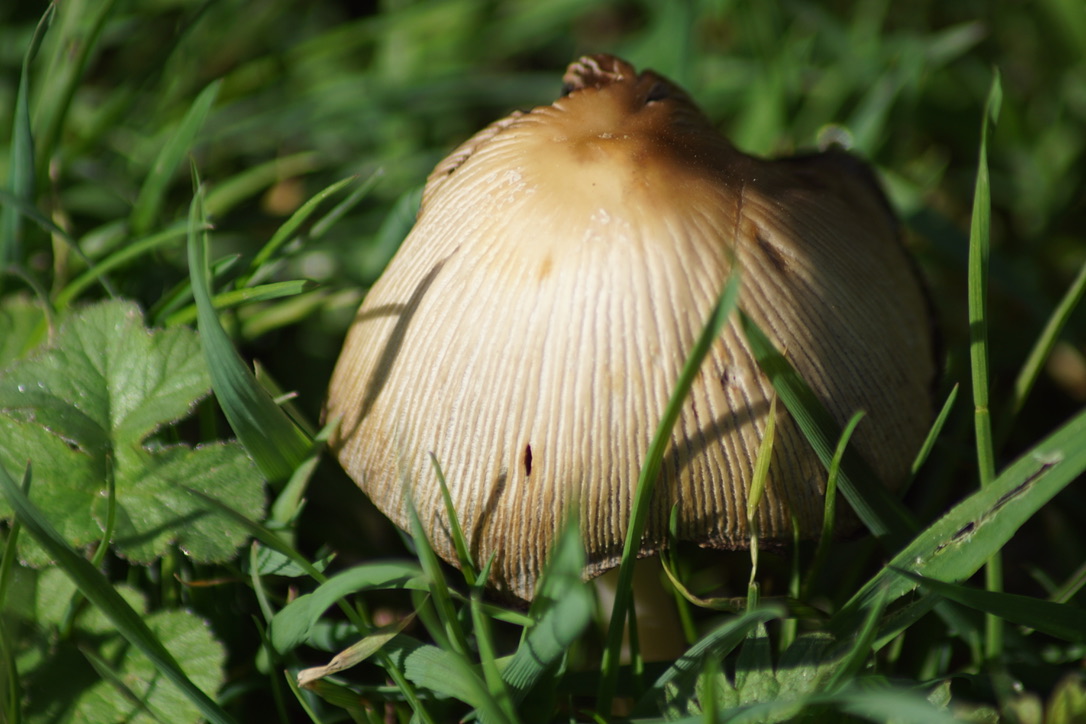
{"x":83,"y":410}
{"x":154,"y":507}
{"x":1061,"y":620}
{"x":108,"y":379}
{"x":293,"y":624}
{"x":445,"y":672}
{"x":277,"y":445}
{"x":186,"y":636}
{"x":93,"y":585}
{"x":958,"y":544}
{"x":22,"y":327}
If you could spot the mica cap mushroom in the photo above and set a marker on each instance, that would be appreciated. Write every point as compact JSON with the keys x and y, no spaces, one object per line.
{"x":531,"y":327}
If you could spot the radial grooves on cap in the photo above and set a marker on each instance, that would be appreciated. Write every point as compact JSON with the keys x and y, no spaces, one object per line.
{"x":560,"y":270}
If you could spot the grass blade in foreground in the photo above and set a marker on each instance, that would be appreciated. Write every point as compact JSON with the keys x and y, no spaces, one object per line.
{"x":271,"y":437}
{"x":978,"y":347}
{"x":98,"y":591}
{"x":1031,"y":369}
{"x":646,"y":484}
{"x":1061,"y":620}
{"x":562,"y":608}
{"x":957,"y":545}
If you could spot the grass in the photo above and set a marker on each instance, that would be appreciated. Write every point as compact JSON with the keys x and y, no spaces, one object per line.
{"x":251,"y":167}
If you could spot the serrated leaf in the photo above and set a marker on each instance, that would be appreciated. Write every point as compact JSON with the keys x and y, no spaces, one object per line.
{"x":125,"y":619}
{"x":67,"y":482}
{"x":66,"y":686}
{"x":108,"y":381}
{"x":82,"y":411}
{"x":154,"y":509}
{"x":755,"y":679}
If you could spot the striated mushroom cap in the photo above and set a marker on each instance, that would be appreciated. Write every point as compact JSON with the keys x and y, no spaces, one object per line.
{"x":532,"y":325}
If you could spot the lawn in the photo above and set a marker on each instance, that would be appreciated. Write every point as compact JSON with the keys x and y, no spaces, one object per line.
{"x":196,"y":196}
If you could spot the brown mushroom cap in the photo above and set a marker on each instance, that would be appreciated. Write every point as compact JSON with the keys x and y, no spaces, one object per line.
{"x":532,"y":325}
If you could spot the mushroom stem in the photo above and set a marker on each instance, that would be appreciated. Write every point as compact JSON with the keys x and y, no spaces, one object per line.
{"x":659,"y":631}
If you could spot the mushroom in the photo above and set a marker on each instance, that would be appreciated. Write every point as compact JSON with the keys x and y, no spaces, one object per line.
{"x":530,"y":329}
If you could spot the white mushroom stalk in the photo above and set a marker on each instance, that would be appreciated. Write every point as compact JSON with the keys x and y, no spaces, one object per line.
{"x":532,"y":325}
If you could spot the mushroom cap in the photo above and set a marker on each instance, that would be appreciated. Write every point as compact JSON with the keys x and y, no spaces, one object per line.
{"x":531,"y":327}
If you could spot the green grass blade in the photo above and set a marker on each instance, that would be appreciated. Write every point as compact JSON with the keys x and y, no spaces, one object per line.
{"x":754,"y":497}
{"x":181,"y":293}
{"x":861,"y":648}
{"x":128,"y":253}
{"x":28,"y":210}
{"x":1061,"y":620}
{"x":229,"y":193}
{"x":152,"y":194}
{"x":563,"y":608}
{"x":21,"y":177}
{"x":1031,"y":369}
{"x":439,"y":589}
{"x":957,"y":545}
{"x":829,"y":509}
{"x":94,"y":586}
{"x":463,"y":555}
{"x":448,"y":673}
{"x":933,"y":433}
{"x":979,"y":242}
{"x":277,"y":445}
{"x":883,"y":515}
{"x":484,"y":642}
{"x":646,"y":484}
{"x":287,"y":230}
{"x":71,"y":54}
{"x":247,"y":295}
